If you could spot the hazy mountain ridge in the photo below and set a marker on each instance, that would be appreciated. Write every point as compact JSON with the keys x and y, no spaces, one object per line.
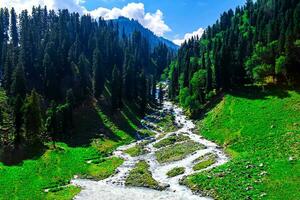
{"x":129,"y":26}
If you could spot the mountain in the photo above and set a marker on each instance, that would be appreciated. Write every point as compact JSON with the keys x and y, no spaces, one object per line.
{"x":129,"y":26}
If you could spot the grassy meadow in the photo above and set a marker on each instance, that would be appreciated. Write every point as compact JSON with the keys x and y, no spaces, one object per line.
{"x":261,"y":133}
{"x":96,"y":134}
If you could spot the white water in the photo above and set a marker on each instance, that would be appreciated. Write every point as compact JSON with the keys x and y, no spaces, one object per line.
{"x":114,"y":187}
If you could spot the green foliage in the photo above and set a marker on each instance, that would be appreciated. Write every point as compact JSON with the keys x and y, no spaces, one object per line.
{"x":175,"y":172}
{"x":198,"y":80}
{"x":116,"y":91}
{"x":33,"y":122}
{"x":19,"y":82}
{"x":184,"y":97}
{"x":167,"y":124}
{"x":57,"y":166}
{"x":171,"y":140}
{"x":260,"y":133}
{"x":63,"y":194}
{"x":261,"y":71}
{"x":140,"y":176}
{"x":176,"y":152}
{"x":241,"y":47}
{"x":137,"y":150}
{"x":204,"y":163}
{"x":54,"y":169}
{"x":262,"y":62}
{"x":98,"y":67}
{"x":280,"y":67}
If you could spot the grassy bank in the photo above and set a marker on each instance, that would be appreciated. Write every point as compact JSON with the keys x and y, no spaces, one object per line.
{"x":140,"y":176}
{"x":261,"y":132}
{"x":176,"y":171}
{"x":96,"y":134}
{"x":177,"y":151}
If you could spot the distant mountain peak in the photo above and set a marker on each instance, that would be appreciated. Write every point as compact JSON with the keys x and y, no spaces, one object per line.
{"x":131,"y":25}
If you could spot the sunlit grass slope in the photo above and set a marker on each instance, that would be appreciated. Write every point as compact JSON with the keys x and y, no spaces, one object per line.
{"x":97,"y":133}
{"x":261,"y":132}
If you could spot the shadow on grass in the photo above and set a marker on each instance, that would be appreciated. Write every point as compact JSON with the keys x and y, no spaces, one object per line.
{"x":125,"y":120}
{"x":247,"y":92}
{"x":15,"y":156}
{"x":91,"y":122}
{"x":88,"y":125}
{"x":255,"y":92}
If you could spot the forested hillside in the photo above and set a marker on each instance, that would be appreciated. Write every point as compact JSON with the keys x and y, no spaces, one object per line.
{"x":258,"y":43}
{"x":53,"y":63}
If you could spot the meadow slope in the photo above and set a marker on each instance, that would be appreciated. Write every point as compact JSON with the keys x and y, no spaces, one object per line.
{"x":261,"y":133}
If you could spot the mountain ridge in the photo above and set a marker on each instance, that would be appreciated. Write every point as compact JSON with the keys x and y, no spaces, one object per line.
{"x":129,"y":26}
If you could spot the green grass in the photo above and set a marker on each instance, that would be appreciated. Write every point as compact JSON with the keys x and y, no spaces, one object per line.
{"x":167,"y":124}
{"x":171,"y":140}
{"x":140,"y":176}
{"x":64,"y":194}
{"x":135,"y":151}
{"x":261,"y":132}
{"x":146,"y":132}
{"x":204,"y":163}
{"x":96,"y":135}
{"x":175,"y":172}
{"x":204,"y":157}
{"x":52,"y":170}
{"x":177,"y":152}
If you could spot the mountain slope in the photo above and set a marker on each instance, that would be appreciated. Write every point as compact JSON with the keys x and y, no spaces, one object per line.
{"x":260,"y":130}
{"x":129,"y":26}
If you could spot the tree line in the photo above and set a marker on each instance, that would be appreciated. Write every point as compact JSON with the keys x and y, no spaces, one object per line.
{"x":258,"y":43}
{"x":52,"y":62}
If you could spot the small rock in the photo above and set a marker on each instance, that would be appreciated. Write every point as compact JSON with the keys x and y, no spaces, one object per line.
{"x":249,"y":166}
{"x":291,"y":158}
{"x":263,"y":194}
{"x":249,"y":188}
{"x":222,"y":174}
{"x":272,"y":126}
{"x":165,"y":185}
{"x":263,"y":173}
{"x":261,"y":164}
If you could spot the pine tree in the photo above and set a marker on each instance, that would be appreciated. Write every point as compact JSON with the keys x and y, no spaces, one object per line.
{"x":85,"y":77}
{"x":208,"y":86}
{"x":14,"y":29}
{"x":143,"y":92}
{"x":51,"y":123}
{"x":116,"y":89}
{"x":51,"y":86}
{"x":98,"y":67}
{"x":19,"y":82}
{"x":33,"y":123}
{"x":160,"y":94}
{"x":8,"y":72}
{"x":18,"y":118}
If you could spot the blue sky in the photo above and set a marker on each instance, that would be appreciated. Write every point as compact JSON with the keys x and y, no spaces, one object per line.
{"x":182,"y":16}
{"x":175,"y":20}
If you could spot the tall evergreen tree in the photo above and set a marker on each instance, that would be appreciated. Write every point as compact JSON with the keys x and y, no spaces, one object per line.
{"x":116,"y":88}
{"x":14,"y":28}
{"x":19,"y":82}
{"x":33,"y":122}
{"x":98,"y":67}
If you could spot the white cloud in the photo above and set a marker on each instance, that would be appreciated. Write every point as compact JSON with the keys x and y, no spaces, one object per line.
{"x":188,"y":36}
{"x":152,"y":21}
{"x":19,"y":5}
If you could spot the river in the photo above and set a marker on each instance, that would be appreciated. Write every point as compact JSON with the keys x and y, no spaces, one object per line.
{"x":114,"y":187}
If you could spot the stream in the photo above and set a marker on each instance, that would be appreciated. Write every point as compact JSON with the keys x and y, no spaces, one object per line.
{"x":113,"y":188}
